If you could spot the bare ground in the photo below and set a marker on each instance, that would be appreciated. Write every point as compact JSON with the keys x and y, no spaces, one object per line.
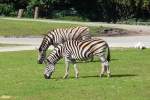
{"x":120,"y":32}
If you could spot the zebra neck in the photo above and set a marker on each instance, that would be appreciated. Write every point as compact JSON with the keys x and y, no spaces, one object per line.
{"x":54,"y":58}
{"x":44,"y":46}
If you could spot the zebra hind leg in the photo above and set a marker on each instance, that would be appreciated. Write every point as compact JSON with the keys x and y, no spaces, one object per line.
{"x":76,"y":71}
{"x":105,"y":67}
{"x":75,"y":68}
{"x":66,"y":70}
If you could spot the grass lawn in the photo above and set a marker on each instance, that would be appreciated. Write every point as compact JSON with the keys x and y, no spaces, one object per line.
{"x":5,"y":45}
{"x":22,"y":78}
{"x":32,"y":28}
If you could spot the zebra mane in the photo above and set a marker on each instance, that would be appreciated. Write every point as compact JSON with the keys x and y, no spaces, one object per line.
{"x":56,"y":54}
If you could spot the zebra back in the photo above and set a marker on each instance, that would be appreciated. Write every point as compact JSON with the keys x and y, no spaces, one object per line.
{"x":78,"y":33}
{"x":86,"y":49}
{"x":62,"y":35}
{"x":79,"y":50}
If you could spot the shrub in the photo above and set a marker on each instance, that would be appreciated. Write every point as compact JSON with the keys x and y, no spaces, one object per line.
{"x":7,"y":10}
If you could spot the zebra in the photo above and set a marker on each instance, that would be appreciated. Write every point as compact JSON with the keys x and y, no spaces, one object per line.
{"x":58,"y":36}
{"x":78,"y":50}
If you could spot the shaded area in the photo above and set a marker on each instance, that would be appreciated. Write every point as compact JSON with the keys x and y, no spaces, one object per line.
{"x":95,"y":10}
{"x":112,"y":76}
{"x":94,"y":76}
{"x":124,"y":75}
{"x":117,"y":32}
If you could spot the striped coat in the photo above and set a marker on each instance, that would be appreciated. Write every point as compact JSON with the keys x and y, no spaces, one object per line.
{"x":79,"y":50}
{"x":59,"y":36}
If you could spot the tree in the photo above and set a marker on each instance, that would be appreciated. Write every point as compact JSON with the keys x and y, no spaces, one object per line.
{"x":35,"y":4}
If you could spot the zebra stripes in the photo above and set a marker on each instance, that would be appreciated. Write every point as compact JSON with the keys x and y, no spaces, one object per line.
{"x":59,"y":36}
{"x":78,"y":50}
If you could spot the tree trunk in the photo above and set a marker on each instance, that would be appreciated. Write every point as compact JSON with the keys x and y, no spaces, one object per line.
{"x":20,"y":13}
{"x":36,"y":12}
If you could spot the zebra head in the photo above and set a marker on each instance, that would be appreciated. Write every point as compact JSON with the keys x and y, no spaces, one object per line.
{"x":49,"y":70}
{"x":41,"y":55}
{"x":47,"y":41}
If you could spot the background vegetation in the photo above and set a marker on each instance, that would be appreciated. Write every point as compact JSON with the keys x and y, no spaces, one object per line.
{"x":22,"y":78}
{"x":87,"y":10}
{"x":34,"y":28}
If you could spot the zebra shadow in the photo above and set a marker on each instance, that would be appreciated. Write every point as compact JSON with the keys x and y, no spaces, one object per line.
{"x":112,"y":76}
{"x":124,"y":75}
{"x":96,"y":76}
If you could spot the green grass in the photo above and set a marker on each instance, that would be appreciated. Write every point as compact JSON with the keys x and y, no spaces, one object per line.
{"x":22,"y":78}
{"x":34,"y":28}
{"x":5,"y":45}
{"x":133,"y":21}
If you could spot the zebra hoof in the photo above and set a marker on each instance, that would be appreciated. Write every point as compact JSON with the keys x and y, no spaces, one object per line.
{"x":46,"y":77}
{"x":109,"y":75}
{"x":101,"y":75}
{"x":40,"y":62}
{"x":65,"y":77}
{"x":76,"y":77}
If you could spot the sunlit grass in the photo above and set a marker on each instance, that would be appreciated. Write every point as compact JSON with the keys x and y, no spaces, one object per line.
{"x":5,"y":45}
{"x":34,"y":28}
{"x":22,"y":78}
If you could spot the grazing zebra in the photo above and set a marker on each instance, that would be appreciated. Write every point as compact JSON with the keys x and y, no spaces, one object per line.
{"x":59,"y":36}
{"x":78,"y":50}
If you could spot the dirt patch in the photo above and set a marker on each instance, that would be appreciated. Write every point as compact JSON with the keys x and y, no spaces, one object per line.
{"x":117,"y":32}
{"x":5,"y":97}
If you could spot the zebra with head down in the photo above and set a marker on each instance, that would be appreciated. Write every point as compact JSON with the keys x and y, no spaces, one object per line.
{"x":59,"y":36}
{"x":78,"y":50}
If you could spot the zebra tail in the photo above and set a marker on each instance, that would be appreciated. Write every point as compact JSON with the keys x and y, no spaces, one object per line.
{"x":108,"y":54}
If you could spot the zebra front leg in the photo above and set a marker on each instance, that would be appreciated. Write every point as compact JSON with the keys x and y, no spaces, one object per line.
{"x":102,"y":71}
{"x":108,"y":71}
{"x":66,"y":70}
{"x":76,"y":70}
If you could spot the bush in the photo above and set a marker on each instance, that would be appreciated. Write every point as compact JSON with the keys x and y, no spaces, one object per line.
{"x":7,"y":10}
{"x":62,"y":13}
{"x":29,"y":11}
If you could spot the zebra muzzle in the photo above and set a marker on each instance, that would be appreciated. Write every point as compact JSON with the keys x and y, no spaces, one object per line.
{"x":47,"y":77}
{"x":40,"y":62}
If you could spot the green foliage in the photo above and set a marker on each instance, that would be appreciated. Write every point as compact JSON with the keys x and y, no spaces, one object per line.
{"x":29,"y":11}
{"x":7,"y":10}
{"x":96,"y":10}
{"x":36,"y":2}
{"x":22,"y":78}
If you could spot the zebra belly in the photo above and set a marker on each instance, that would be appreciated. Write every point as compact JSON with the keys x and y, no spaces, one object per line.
{"x":80,"y":57}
